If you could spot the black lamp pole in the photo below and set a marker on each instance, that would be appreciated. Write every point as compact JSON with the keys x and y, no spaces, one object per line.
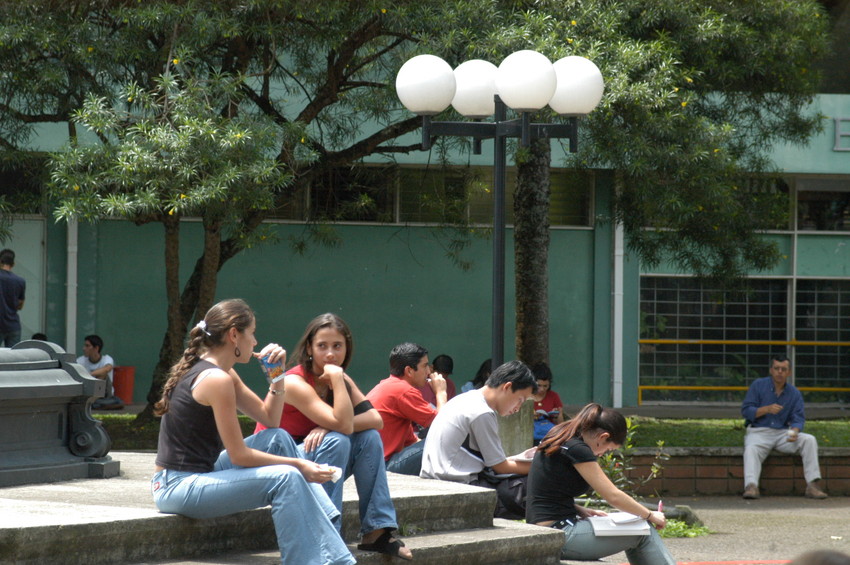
{"x":500,"y":130}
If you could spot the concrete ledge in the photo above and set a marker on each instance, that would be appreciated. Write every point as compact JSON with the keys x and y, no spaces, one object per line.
{"x":115,"y":521}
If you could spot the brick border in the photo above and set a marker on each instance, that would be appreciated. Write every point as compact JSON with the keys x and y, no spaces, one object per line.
{"x":720,"y":471}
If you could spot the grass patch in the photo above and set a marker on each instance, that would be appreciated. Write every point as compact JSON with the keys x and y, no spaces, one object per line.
{"x":725,"y":432}
{"x":128,"y":436}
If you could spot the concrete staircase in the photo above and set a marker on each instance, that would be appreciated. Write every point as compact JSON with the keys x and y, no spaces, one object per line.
{"x":106,"y":521}
{"x":442,"y":523}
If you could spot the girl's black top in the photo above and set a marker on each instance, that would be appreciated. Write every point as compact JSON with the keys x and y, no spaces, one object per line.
{"x":554,"y":482}
{"x":188,"y":436}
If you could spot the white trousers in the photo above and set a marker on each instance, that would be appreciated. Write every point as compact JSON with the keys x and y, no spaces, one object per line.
{"x":758,"y":443}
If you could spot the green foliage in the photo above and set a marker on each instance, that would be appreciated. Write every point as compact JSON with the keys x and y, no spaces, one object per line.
{"x":681,"y":529}
{"x":618,"y":465}
{"x":696,"y":93}
{"x":179,"y":149}
{"x":5,"y":220}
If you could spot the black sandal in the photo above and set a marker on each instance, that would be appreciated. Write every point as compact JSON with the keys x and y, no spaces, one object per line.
{"x":386,"y":544}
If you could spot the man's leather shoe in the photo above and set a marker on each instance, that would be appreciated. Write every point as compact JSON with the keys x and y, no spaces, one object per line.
{"x":751,"y":491}
{"x":812,"y":491}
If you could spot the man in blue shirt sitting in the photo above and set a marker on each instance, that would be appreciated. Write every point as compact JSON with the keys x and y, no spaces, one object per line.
{"x":773,"y":410}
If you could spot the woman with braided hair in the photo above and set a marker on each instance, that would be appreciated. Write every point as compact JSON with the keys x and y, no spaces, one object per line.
{"x":564,"y":467}
{"x":204,"y":468}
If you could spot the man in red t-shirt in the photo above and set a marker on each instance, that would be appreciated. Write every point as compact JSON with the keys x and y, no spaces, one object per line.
{"x":400,"y":404}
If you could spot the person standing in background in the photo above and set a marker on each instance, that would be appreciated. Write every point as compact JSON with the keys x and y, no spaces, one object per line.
{"x":12,"y":290}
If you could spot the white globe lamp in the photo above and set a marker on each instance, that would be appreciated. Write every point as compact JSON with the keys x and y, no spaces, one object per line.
{"x":476,"y":86}
{"x":526,"y":81}
{"x":580,"y":86}
{"x":425,"y":85}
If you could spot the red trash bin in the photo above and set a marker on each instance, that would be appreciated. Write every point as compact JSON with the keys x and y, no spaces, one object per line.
{"x":123,"y":379}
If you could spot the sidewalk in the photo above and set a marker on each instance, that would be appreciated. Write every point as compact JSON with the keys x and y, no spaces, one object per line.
{"x":777,"y":528}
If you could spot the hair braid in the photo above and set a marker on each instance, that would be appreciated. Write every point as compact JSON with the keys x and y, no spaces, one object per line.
{"x":191,"y":355}
{"x":210,"y":333}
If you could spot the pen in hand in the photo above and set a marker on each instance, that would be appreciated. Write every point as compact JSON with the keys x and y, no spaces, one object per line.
{"x":660,"y":506}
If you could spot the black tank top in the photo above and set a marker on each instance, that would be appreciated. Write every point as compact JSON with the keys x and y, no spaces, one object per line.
{"x":188,"y":436}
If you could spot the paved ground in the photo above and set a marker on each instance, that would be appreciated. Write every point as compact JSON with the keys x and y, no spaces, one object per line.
{"x":769,"y":530}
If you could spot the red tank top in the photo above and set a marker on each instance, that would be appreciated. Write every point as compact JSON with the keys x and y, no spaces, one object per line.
{"x":293,"y":421}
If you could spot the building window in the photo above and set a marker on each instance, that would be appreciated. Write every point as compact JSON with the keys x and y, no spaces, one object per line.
{"x":823,"y":204}
{"x":353,"y":194}
{"x":823,"y":311}
{"x":429,"y":195}
{"x":696,"y":336}
{"x":692,"y":336}
{"x":439,"y":196}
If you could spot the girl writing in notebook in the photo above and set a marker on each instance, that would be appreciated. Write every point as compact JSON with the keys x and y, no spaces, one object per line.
{"x":564,"y":467}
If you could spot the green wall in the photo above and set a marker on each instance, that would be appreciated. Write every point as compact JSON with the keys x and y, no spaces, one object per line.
{"x":390,"y":283}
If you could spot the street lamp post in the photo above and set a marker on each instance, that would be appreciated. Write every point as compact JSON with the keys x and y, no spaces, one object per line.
{"x":525,"y":81}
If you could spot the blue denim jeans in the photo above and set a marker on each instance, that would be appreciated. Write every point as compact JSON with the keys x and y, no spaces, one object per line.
{"x":305,"y":520}
{"x":408,"y":461}
{"x":583,"y":545}
{"x":360,"y":454}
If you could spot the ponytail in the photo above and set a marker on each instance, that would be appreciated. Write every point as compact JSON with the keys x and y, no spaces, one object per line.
{"x":207,"y":334}
{"x":592,"y":417}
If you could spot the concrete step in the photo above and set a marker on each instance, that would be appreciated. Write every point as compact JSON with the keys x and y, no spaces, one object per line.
{"x":424,"y":506}
{"x":505,"y":543}
{"x":100,"y":521}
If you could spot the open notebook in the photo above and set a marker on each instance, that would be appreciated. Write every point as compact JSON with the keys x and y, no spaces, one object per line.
{"x":619,"y":524}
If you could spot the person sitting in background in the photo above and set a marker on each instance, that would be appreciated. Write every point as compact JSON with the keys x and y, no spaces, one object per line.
{"x":548,"y":408}
{"x":400,"y":404}
{"x":774,"y":415}
{"x":565,"y":466}
{"x":39,"y":336}
{"x":480,"y":377}
{"x":463,"y":443}
{"x":444,"y":365}
{"x":100,"y":366}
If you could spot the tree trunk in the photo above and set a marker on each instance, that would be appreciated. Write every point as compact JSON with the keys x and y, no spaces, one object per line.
{"x":173,"y":339}
{"x":531,"y":250}
{"x":201,"y":283}
{"x":209,"y":267}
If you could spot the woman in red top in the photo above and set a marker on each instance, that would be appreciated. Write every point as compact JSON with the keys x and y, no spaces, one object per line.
{"x":328,"y":414}
{"x":548,"y":408}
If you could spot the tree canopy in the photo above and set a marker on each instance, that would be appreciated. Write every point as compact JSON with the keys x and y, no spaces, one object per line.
{"x":696,"y":91}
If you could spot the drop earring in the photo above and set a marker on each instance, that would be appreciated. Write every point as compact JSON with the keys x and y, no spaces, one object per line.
{"x":237,"y":352}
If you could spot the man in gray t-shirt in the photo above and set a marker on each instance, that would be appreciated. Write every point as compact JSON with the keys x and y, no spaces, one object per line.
{"x":463,"y":443}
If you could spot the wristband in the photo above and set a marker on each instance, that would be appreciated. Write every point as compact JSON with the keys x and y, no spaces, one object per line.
{"x":649,"y":515}
{"x":364,"y":406}
{"x":275,"y":391}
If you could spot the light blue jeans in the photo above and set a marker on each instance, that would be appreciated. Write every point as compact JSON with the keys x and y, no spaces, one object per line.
{"x":305,"y":520}
{"x":583,"y":545}
{"x":408,"y":461}
{"x":360,"y":454}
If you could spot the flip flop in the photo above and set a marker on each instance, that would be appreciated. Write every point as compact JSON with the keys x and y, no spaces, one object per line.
{"x":386,"y":544}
